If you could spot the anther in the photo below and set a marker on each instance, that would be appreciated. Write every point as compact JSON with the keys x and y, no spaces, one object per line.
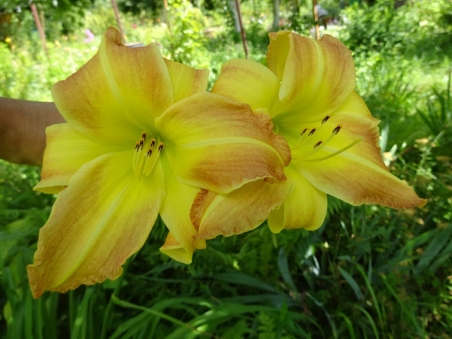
{"x":152,"y":144}
{"x":336,"y":130}
{"x":160,"y":149}
{"x":304,"y":131}
{"x":318,"y":144}
{"x":143,"y":136}
{"x":325,"y":119}
{"x":312,"y":132}
{"x":137,"y":146}
{"x":149,"y":153}
{"x":141,"y":144}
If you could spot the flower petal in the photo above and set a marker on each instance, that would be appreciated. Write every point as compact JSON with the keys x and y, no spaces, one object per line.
{"x":249,"y":82}
{"x":292,"y":126}
{"x":305,"y":206}
{"x":67,"y":150}
{"x":175,"y":213}
{"x":357,"y":174}
{"x":101,"y":219}
{"x":119,"y":91}
{"x":186,"y":80}
{"x":239,"y":211}
{"x":316,"y":75}
{"x":219,"y":144}
{"x":176,"y":251}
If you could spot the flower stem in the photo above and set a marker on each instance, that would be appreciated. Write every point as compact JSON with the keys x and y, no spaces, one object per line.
{"x":108,"y":311}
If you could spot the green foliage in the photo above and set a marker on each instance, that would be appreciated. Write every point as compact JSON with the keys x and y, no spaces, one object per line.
{"x":27,"y":74}
{"x":137,"y":7}
{"x":186,"y":26}
{"x":58,"y":17}
{"x":438,"y":116}
{"x":419,"y":28}
{"x":374,"y":28}
{"x":390,"y":95}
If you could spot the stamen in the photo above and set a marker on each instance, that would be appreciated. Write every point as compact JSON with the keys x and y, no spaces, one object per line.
{"x":303,"y":142}
{"x":321,"y":144}
{"x":144,"y":163}
{"x":136,"y":158}
{"x":312,"y":132}
{"x":151,"y":161}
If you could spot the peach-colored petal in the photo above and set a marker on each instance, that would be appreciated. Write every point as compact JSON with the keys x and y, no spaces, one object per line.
{"x":117,"y":93}
{"x":175,"y":250}
{"x":316,"y":75}
{"x":348,"y":164}
{"x":101,"y":219}
{"x":249,"y":82}
{"x":291,"y":126}
{"x":219,"y":144}
{"x":238,"y":211}
{"x":305,"y":206}
{"x":186,"y":80}
{"x":67,"y":150}
{"x":175,"y":213}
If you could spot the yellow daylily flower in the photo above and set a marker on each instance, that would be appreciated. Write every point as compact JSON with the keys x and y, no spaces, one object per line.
{"x":142,"y":137}
{"x":308,"y":90}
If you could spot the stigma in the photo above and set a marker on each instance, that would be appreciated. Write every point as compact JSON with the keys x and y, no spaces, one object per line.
{"x":146,"y":155}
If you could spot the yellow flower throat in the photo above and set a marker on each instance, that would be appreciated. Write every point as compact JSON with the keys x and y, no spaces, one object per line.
{"x":311,"y":146}
{"x":146,"y":155}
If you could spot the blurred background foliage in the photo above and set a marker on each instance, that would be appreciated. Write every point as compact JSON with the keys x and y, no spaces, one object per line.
{"x":368,"y":272}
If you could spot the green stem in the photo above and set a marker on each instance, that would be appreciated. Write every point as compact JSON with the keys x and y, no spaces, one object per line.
{"x":108,"y":311}
{"x":38,"y":306}
{"x":71,"y":311}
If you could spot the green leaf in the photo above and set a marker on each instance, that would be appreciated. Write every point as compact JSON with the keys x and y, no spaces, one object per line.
{"x":433,"y":248}
{"x":244,"y":279}
{"x":283,"y":267}
{"x":352,"y":283}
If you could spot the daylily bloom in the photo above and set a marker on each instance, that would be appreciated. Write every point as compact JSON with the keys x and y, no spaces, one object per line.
{"x":308,"y":90}
{"x":142,"y":137}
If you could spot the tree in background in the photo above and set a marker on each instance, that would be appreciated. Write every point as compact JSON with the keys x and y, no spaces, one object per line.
{"x":56,"y":17}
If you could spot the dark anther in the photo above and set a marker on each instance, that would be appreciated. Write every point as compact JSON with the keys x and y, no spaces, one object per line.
{"x":312,"y":132}
{"x":325,"y":119}
{"x":160,"y":148}
{"x":149,"y":153}
{"x":141,"y":144}
{"x":152,"y":143}
{"x":318,"y":144}
{"x":336,"y":130}
{"x":137,"y":146}
{"x":304,"y":131}
{"x":143,"y":136}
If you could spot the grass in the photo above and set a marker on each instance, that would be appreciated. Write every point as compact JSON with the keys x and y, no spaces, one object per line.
{"x":368,"y":272}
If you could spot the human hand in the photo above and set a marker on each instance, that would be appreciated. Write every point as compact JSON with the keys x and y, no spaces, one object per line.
{"x":22,"y":129}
